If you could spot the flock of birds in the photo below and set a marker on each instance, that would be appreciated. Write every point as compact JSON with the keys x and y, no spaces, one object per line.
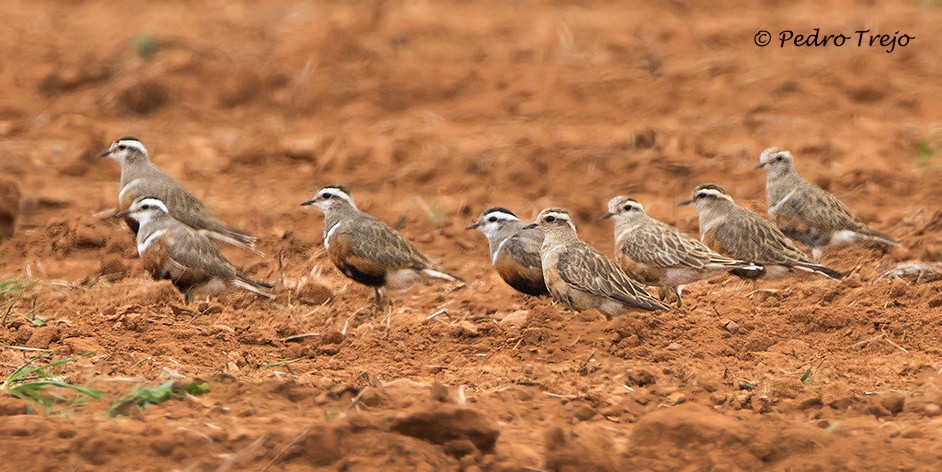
{"x":174,"y":233}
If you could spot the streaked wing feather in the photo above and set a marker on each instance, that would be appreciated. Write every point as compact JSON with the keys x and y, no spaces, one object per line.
{"x":378,"y":242}
{"x":586,"y":269}
{"x":191,"y":250}
{"x":758,"y":240}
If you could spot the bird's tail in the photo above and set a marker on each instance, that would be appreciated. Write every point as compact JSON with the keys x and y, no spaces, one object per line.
{"x":257,"y":286}
{"x":819,"y":269}
{"x":437,"y":274}
{"x":741,"y":269}
{"x":235,"y":238}
{"x":879,"y":237}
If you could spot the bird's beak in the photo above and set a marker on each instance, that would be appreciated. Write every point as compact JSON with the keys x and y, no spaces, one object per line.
{"x":473,"y":226}
{"x":105,"y":154}
{"x":308,"y":202}
{"x":122,"y":214}
{"x":606,"y":216}
{"x":530,"y":226}
{"x":685,"y":203}
{"x":761,"y":165}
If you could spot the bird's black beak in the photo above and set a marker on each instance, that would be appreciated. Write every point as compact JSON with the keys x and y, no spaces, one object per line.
{"x":308,"y":202}
{"x":530,"y":226}
{"x":685,"y":203}
{"x":761,"y":165}
{"x":105,"y":154}
{"x":606,"y":216}
{"x":473,"y":226}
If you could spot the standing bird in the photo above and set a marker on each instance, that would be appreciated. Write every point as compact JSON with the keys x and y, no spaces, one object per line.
{"x":173,"y":251}
{"x":808,"y":213}
{"x":736,"y":232}
{"x":656,"y":253}
{"x":367,"y":250}
{"x":515,"y":253}
{"x":141,"y":178}
{"x":580,"y":277}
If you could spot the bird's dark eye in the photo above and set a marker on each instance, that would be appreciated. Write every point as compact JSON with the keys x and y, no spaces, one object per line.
{"x":122,"y":147}
{"x":549,"y":219}
{"x":327,"y":196}
{"x":627,"y":207}
{"x":779,"y":158}
{"x":492,"y":219}
{"x":145,"y":207}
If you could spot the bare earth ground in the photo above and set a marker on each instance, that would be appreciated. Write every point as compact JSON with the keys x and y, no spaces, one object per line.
{"x":430,"y":112}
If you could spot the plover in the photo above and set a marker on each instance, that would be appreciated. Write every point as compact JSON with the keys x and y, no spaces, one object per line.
{"x":580,"y":277}
{"x":808,"y":213}
{"x":736,"y":232}
{"x":171,"y":250}
{"x":140,"y":177}
{"x":367,"y":250}
{"x":515,"y":253}
{"x":655,"y":253}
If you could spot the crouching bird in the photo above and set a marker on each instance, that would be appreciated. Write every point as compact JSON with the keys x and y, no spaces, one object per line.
{"x":171,"y":250}
{"x":580,"y":277}
{"x":367,"y":250}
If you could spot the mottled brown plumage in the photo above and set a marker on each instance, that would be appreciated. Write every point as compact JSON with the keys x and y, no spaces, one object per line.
{"x":367,"y":250}
{"x":141,"y":178}
{"x":172,"y":251}
{"x":655,"y":253}
{"x":808,"y":213}
{"x":738,"y":233}
{"x":580,"y":277}
{"x":514,"y":252}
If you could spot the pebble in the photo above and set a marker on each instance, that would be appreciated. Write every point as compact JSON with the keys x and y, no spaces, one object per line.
{"x":932,"y":410}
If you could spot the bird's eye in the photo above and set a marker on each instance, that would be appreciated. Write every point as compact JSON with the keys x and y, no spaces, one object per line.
{"x":327,"y":196}
{"x":492,"y":219}
{"x":145,"y":207}
{"x":627,"y":207}
{"x":779,"y":158}
{"x":549,"y":219}
{"x":122,"y":147}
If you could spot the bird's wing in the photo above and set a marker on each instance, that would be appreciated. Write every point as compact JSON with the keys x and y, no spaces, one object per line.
{"x":191,"y":250}
{"x":661,"y":245}
{"x":751,"y":238}
{"x":376,"y":242}
{"x":525,"y":249}
{"x":586,"y":269}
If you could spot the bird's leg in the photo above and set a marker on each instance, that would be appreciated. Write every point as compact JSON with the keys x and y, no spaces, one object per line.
{"x":382,"y":303}
{"x":189,"y":296}
{"x":664,"y":293}
{"x":677,"y":290}
{"x":816,"y":254}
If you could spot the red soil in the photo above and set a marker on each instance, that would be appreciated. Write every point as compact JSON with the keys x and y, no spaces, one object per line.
{"x":430,"y":112}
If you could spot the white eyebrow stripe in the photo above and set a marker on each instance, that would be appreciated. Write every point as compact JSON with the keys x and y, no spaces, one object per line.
{"x":502,"y":216}
{"x":712,"y":192}
{"x":155,"y":202}
{"x":134,"y":144}
{"x":778,"y":205}
{"x":338,"y":193}
{"x":127,"y":187}
{"x":142,"y":247}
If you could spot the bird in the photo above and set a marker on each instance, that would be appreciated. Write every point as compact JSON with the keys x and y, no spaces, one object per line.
{"x":515,"y":253}
{"x":367,"y":250}
{"x":808,"y":213}
{"x":656,"y":253}
{"x":741,"y":234}
{"x":171,"y":250}
{"x":580,"y":277}
{"x":140,"y":177}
